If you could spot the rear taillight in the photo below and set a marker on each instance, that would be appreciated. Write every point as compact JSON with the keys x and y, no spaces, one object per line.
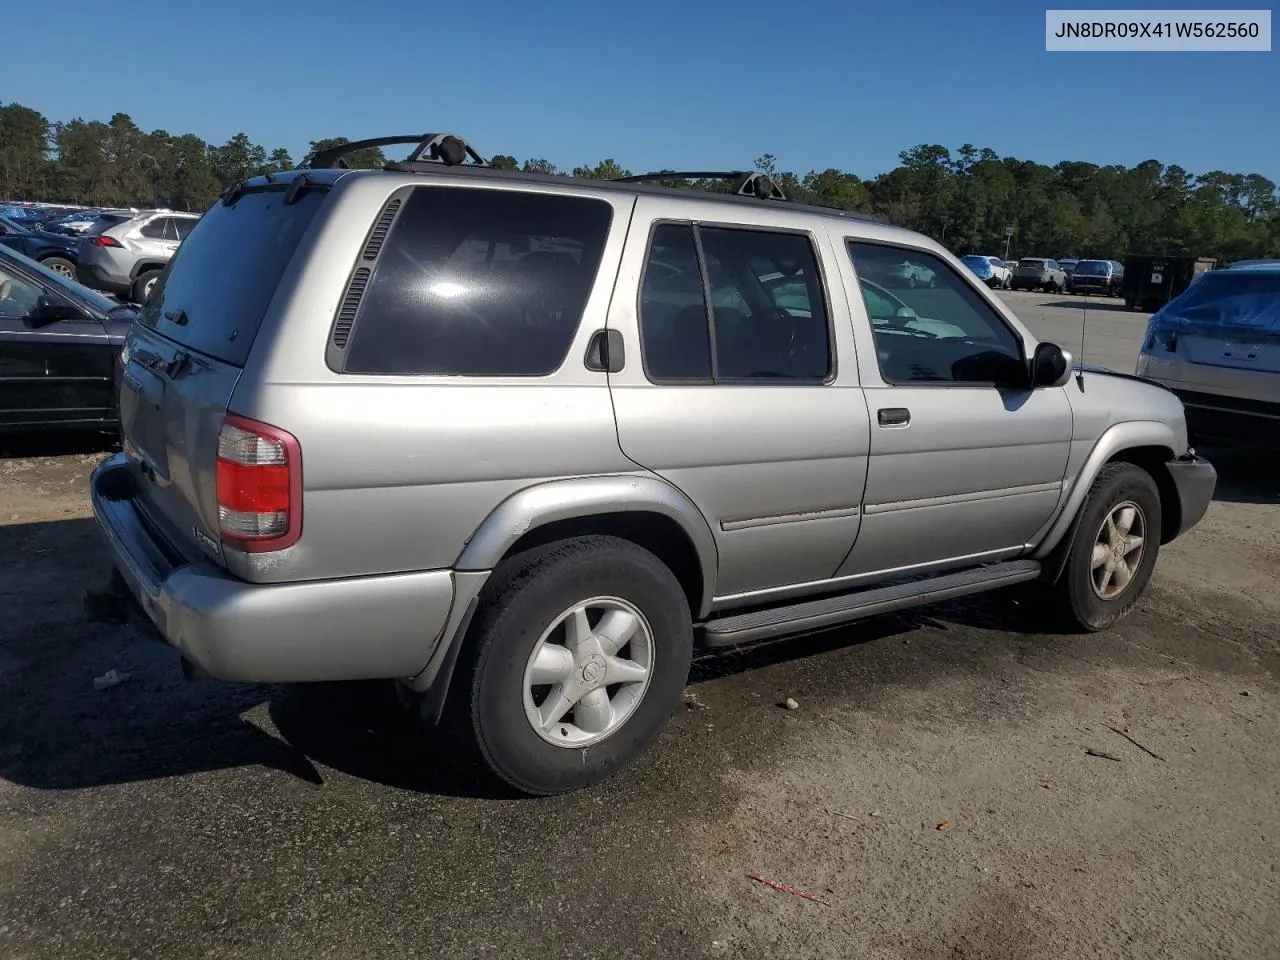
{"x":101,"y":241}
{"x":259,"y":486}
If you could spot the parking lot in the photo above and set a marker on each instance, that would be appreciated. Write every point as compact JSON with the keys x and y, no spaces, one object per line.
{"x":935,"y":787}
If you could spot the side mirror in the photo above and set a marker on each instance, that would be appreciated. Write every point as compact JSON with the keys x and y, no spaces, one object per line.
{"x":1050,"y":366}
{"x":906,"y":313}
{"x":49,"y":310}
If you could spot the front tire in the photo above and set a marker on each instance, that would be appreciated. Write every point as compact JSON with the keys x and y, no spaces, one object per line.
{"x":579,"y":654}
{"x":1114,"y":553}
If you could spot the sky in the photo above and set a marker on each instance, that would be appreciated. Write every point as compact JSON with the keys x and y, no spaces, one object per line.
{"x":658,"y":85}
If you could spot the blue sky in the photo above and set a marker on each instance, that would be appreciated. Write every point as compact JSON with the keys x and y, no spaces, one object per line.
{"x":694,"y":85}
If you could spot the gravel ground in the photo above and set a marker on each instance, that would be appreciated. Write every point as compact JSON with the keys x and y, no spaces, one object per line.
{"x":933,"y":786}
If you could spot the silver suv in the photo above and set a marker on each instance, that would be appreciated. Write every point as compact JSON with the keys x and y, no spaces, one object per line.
{"x":125,"y":258}
{"x":1039,"y":273}
{"x":521,"y":442}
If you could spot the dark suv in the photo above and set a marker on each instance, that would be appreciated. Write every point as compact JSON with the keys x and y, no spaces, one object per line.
{"x":1097,"y":276}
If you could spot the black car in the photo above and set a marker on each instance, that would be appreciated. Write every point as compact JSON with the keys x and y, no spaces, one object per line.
{"x":1097,"y":276}
{"x":55,"y":251}
{"x":59,"y":345}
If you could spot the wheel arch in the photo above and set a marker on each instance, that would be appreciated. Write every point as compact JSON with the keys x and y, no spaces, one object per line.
{"x":643,"y":509}
{"x":1147,"y":444}
{"x":143,"y":265}
{"x":60,"y":254}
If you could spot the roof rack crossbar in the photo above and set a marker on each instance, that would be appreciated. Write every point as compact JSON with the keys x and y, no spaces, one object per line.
{"x":746,"y":183}
{"x":443,"y":148}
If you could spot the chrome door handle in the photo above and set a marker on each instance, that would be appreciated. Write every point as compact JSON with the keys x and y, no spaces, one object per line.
{"x":893,"y":417}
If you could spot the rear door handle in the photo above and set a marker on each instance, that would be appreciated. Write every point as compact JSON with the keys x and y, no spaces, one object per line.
{"x":893,"y":416}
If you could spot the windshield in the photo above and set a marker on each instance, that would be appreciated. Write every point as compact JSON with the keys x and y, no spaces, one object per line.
{"x":1093,"y":268}
{"x":214,"y":293}
{"x":1036,"y":264}
{"x":973,"y":260}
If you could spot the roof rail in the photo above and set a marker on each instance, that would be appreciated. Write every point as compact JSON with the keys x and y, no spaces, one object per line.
{"x":442,"y":148}
{"x":745,"y":183}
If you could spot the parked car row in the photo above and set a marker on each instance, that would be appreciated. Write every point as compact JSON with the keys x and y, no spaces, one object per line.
{"x":117,"y":251}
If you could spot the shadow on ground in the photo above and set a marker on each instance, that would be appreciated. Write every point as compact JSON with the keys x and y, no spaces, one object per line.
{"x":1105,"y":304}
{"x":58,"y":733}
{"x":57,"y":443}
{"x":1245,"y":474}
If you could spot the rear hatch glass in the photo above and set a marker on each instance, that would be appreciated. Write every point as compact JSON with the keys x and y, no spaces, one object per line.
{"x":186,"y":352}
{"x":220,"y":282}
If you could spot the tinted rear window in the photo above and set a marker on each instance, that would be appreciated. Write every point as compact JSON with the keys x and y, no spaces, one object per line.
{"x":479,"y":282}
{"x":104,"y":224}
{"x":222,"y":279}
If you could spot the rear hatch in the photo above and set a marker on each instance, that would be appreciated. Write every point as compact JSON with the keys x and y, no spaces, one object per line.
{"x":186,"y":351}
{"x":1029,"y":268}
{"x":1223,"y":334}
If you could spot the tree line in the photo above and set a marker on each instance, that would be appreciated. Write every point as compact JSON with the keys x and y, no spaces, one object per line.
{"x":965,"y":198}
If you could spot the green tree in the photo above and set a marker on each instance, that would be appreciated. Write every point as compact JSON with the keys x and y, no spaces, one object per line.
{"x":370,"y":158}
{"x":24,"y":167}
{"x":604,"y":170}
{"x":237,"y":159}
{"x":539,"y":166}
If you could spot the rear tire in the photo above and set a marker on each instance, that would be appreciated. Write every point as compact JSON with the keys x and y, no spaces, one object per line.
{"x":143,"y":285}
{"x":61,"y":266}
{"x":528,"y":609}
{"x":1094,"y":592}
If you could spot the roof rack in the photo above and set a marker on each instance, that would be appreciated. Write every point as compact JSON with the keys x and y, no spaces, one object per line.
{"x":746,"y":183}
{"x":435,"y":148}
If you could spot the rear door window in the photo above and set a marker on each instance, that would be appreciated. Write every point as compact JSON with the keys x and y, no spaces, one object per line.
{"x":479,"y":282}
{"x":161,"y":228}
{"x":217,"y":288}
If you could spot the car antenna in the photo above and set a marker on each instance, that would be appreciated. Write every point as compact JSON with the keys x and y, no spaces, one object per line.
{"x":1084,"y":324}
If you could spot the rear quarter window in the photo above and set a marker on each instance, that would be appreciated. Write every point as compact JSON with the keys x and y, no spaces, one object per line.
{"x":479,"y":282}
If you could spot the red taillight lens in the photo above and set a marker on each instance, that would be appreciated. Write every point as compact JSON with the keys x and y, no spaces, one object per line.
{"x":259,"y":483}
{"x":101,"y":241}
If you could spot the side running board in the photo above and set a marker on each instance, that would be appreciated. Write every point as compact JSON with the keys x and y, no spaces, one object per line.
{"x":829,"y":611}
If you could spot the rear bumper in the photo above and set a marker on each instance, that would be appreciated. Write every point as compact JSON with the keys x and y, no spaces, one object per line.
{"x":353,"y":629}
{"x":99,"y":278}
{"x":1194,"y":479}
{"x":1230,"y":420}
{"x":1091,"y":286}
